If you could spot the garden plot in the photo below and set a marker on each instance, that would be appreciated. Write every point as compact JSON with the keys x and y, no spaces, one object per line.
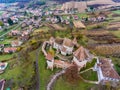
{"x":107,"y":49}
{"x":114,"y":26}
{"x":57,"y":27}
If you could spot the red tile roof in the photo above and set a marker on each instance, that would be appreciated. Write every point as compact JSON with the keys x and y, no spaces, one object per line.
{"x":63,"y":49}
{"x":107,"y":69}
{"x":8,"y":49}
{"x":62,"y":64}
{"x":81,"y":53}
{"x":68,"y":42}
{"x":59,"y":40}
{"x":49,"y":57}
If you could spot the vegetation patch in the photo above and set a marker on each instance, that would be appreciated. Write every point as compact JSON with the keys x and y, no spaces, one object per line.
{"x":61,"y":84}
{"x":116,"y":12}
{"x":45,"y":73}
{"x":89,"y":64}
{"x":90,"y":75}
{"x":116,"y":33}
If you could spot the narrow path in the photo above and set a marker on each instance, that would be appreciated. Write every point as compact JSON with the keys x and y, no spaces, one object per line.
{"x":54,"y":78}
{"x":37,"y":69}
{"x":87,"y":81}
{"x":61,"y":57}
{"x":86,"y":70}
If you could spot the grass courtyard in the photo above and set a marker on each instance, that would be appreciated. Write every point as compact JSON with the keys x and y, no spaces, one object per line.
{"x":90,"y":75}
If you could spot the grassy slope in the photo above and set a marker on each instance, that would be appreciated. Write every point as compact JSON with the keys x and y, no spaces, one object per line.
{"x":45,"y":73}
{"x":61,"y":84}
{"x":13,"y":70}
{"x":5,"y":57}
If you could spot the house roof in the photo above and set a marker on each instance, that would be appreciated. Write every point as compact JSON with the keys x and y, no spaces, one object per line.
{"x":107,"y":69}
{"x":74,"y":41}
{"x":15,"y":31}
{"x":16,"y":42}
{"x":68,"y":42}
{"x":81,"y":53}
{"x":52,"y":38}
{"x":2,"y":83}
{"x":49,"y":57}
{"x":59,"y":40}
{"x":10,"y":49}
{"x":79,"y":24}
{"x":62,"y":64}
{"x":63,"y":49}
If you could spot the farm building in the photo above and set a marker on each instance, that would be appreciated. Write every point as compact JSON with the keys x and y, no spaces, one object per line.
{"x":79,"y":24}
{"x":105,"y":71}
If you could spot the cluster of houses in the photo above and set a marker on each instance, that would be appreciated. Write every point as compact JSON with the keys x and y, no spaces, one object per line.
{"x":10,"y":15}
{"x":22,"y":36}
{"x":81,"y":57}
{"x":99,"y":18}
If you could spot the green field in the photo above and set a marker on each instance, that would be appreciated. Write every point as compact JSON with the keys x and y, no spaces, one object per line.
{"x":1,"y":12}
{"x":116,"y":33}
{"x":116,"y":12}
{"x":14,"y":70}
{"x":6,"y":56}
{"x":61,"y":84}
{"x":45,"y":73}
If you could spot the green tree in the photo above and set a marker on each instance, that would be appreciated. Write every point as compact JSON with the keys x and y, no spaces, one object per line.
{"x":10,"y":21}
{"x":1,"y":23}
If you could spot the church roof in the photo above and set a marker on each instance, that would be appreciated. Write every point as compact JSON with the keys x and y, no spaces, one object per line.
{"x":81,"y":53}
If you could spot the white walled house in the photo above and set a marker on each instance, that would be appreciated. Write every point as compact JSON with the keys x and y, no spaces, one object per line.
{"x":105,"y":71}
{"x":64,"y":45}
{"x":50,"y":61}
{"x":67,"y":47}
{"x":16,"y":43}
{"x":58,"y":43}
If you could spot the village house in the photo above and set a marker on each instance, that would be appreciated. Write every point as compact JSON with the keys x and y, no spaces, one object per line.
{"x":14,"y":33}
{"x":81,"y":56}
{"x":16,"y":43}
{"x":67,"y":47}
{"x":2,"y":84}
{"x":24,"y":33}
{"x":10,"y":50}
{"x":14,"y":19}
{"x":105,"y":71}
{"x":75,"y":17}
{"x":23,"y":38}
{"x":79,"y":24}
{"x":3,"y":67}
